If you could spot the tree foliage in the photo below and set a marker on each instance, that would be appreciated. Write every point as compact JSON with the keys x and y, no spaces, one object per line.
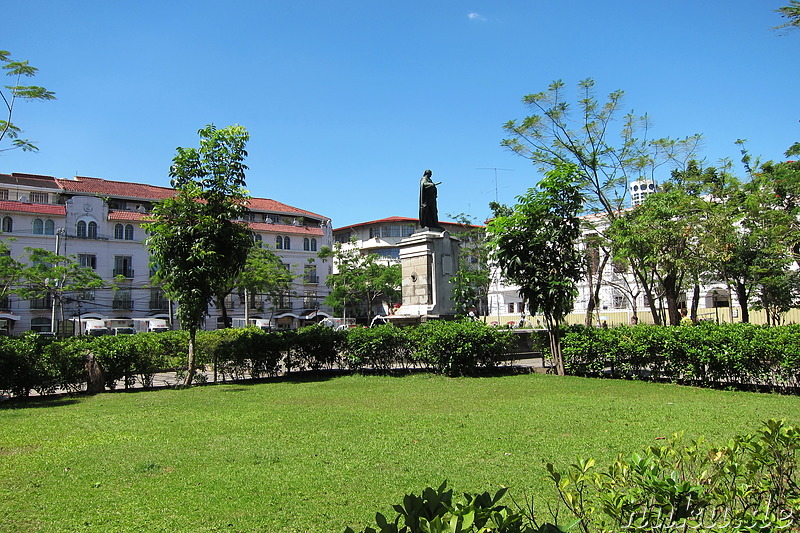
{"x":196,"y":243}
{"x":45,"y":273}
{"x":264,"y":273}
{"x":16,"y":70}
{"x":535,"y":248}
{"x":360,"y":280}
{"x":791,"y":13}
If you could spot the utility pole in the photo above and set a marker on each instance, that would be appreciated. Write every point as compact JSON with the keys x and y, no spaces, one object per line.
{"x":496,"y":195}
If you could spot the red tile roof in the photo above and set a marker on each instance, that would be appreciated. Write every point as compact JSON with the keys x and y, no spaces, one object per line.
{"x":120,"y":189}
{"x":41,"y":209}
{"x":123,"y":189}
{"x":265,"y":204}
{"x":397,"y":220}
{"x":33,"y":180}
{"x":129,"y":215}
{"x":285,"y":228}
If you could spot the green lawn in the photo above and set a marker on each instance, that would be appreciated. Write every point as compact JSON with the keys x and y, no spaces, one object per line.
{"x":308,"y":456}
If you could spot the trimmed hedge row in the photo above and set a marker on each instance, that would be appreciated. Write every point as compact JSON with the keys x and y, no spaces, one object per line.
{"x":34,"y":363}
{"x":706,"y":354}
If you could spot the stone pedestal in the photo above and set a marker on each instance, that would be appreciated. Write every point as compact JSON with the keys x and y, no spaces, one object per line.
{"x":429,"y":259}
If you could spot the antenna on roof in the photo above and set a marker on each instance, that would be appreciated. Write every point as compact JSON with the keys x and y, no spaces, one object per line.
{"x":495,"y":178}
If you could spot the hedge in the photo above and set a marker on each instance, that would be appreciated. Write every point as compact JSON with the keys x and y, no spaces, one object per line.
{"x":41,"y":364}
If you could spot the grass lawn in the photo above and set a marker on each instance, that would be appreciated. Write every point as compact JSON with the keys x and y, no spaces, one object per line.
{"x":317,"y":455}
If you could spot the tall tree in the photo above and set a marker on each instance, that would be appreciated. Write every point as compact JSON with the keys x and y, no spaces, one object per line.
{"x":608,"y":150}
{"x":196,"y":243}
{"x":535,"y":248}
{"x":16,"y":70}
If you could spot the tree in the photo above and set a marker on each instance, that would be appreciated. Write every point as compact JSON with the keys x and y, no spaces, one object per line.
{"x":790,"y":12}
{"x":197,"y":246}
{"x":360,"y":280}
{"x":49,"y":275}
{"x":607,"y":155}
{"x":535,"y":247}
{"x":10,"y":270}
{"x":471,"y":281}
{"x":12,"y":93}
{"x":265,"y":273}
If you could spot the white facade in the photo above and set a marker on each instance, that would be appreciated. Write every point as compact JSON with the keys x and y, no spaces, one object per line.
{"x":98,"y":222}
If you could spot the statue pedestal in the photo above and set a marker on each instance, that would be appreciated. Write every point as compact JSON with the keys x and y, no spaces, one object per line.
{"x":429,"y":259}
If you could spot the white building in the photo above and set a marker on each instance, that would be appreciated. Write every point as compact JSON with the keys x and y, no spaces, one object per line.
{"x":99,"y":223}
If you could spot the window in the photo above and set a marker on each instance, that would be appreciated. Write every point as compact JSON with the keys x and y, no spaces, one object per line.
{"x":5,"y":302}
{"x":285,"y":301}
{"x":3,"y":194}
{"x":279,"y":243}
{"x":118,"y":231}
{"x":388,"y":253}
{"x":49,"y":227}
{"x":88,"y":261}
{"x":313,"y":244}
{"x":39,"y":198}
{"x":287,"y":243}
{"x":310,"y":274}
{"x":310,"y":300}
{"x":80,"y":230}
{"x":86,"y":295}
{"x":46,"y":302}
{"x":257,"y":239}
{"x":8,"y":225}
{"x":158,"y":301}
{"x":40,"y":324}
{"x":123,"y":266}
{"x":128,"y":232}
{"x":122,"y":300}
{"x":92,"y":230}
{"x":38,"y":226}
{"x":306,"y":244}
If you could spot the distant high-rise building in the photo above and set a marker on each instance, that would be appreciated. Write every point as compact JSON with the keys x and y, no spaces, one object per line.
{"x":641,"y":189}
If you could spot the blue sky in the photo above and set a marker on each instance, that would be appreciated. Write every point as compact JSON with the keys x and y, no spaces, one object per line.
{"x":348,"y":102}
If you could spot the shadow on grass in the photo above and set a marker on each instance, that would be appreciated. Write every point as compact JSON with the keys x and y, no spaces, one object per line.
{"x":36,"y":402}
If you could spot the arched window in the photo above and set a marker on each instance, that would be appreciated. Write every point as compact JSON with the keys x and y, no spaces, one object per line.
{"x":119,"y":231}
{"x":306,"y":244}
{"x":279,"y":243}
{"x":257,"y":239}
{"x":8,"y":225}
{"x":40,"y":324}
{"x":287,"y":244}
{"x":38,"y":226}
{"x":92,"y":230}
{"x":313,"y":244}
{"x":128,"y":232}
{"x":80,"y":231}
{"x":49,"y":227}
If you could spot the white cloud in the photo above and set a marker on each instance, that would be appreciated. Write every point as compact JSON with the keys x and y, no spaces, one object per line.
{"x":477,"y":17}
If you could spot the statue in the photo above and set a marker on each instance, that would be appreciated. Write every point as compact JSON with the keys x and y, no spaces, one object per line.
{"x":428,"y":212}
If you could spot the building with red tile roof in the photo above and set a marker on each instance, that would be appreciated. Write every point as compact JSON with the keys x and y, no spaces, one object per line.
{"x":98,"y":222}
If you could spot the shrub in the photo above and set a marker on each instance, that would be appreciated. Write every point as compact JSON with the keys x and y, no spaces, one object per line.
{"x":460,"y":348}
{"x":380,"y":348}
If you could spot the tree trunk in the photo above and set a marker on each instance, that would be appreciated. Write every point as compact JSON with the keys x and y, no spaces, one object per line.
{"x":695,"y":301}
{"x":555,"y":346}
{"x":741,"y":295}
{"x":670,"y":283}
{"x":187,"y":382}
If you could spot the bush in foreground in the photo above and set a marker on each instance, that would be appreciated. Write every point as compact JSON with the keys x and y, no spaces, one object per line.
{"x":751,"y":483}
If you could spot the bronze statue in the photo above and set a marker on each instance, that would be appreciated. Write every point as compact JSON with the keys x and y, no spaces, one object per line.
{"x":428,"y":212}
